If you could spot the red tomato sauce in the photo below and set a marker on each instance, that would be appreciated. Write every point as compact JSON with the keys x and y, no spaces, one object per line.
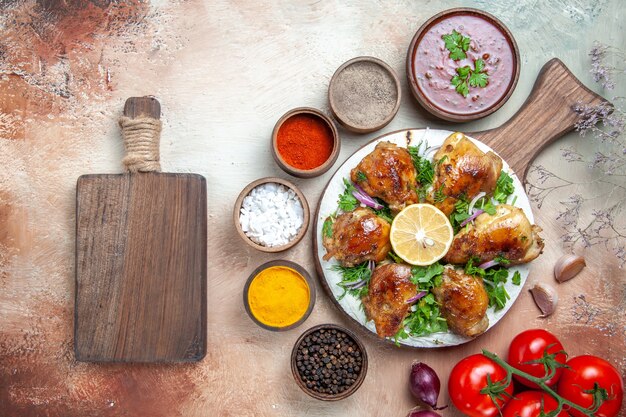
{"x":433,"y":68}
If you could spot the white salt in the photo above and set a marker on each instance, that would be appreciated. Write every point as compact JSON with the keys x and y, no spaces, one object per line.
{"x":271,"y":215}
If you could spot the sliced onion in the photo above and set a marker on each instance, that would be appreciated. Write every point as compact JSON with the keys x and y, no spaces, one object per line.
{"x":417,"y":296}
{"x":355,"y":285}
{"x":371,"y":265}
{"x":475,"y":200}
{"x":430,"y":151}
{"x":472,"y":217}
{"x":363,"y":198}
{"x":488,"y":264}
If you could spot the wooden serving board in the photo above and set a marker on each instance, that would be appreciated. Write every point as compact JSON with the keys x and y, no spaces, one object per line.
{"x":546,"y":115}
{"x":141,"y":263}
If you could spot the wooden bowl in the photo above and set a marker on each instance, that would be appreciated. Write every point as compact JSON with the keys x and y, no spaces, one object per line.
{"x":327,"y":397}
{"x":333,"y":97}
{"x":247,"y":190}
{"x":297,"y":268}
{"x":413,"y":83}
{"x":308,"y":173}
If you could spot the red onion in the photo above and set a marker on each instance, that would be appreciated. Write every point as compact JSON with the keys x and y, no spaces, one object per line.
{"x":488,"y":264}
{"x":356,"y":284}
{"x":422,"y":413}
{"x":425,"y":384}
{"x":472,"y":217}
{"x":363,"y":198}
{"x":371,"y":265}
{"x":417,"y":296}
{"x":472,"y":203}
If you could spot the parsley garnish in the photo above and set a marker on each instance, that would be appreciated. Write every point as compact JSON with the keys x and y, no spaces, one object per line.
{"x":467,"y":77}
{"x":517,"y":278}
{"x":424,"y":168}
{"x":351,"y":277}
{"x":327,"y":228}
{"x":385,"y":212}
{"x":457,"y":44}
{"x":504,"y":187}
{"x":427,"y":277}
{"x":494,"y":280}
{"x":347,"y":202}
{"x":425,"y":316}
{"x":361,"y":177}
{"x":439,"y":196}
{"x":395,"y":257}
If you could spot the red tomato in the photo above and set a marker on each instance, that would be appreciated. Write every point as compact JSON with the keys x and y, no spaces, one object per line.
{"x":528,"y":404}
{"x":529,"y":346}
{"x":583,"y":373}
{"x":467,"y":378}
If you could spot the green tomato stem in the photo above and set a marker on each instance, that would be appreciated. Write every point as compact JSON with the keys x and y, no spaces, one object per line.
{"x":542,"y":383}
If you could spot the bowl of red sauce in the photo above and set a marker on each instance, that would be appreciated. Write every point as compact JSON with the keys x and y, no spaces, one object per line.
{"x":463,"y":64}
{"x":305,"y":142}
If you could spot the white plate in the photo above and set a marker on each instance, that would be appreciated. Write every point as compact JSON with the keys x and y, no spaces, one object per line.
{"x":328,"y":204}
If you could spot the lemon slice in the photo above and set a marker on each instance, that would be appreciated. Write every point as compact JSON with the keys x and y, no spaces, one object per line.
{"x":421,"y":234}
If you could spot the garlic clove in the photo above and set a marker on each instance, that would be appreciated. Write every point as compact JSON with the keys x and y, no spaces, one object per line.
{"x":545,"y":297}
{"x":568,"y":266}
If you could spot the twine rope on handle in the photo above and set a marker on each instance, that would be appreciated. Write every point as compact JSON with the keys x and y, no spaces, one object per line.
{"x":141,"y":140}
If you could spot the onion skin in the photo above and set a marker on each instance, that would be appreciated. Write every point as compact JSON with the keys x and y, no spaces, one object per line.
{"x":425,"y":385}
{"x":422,"y":413}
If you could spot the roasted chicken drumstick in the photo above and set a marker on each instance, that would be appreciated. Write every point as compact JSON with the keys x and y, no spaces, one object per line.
{"x":390,"y":288}
{"x":389,"y":174}
{"x":463,"y":301}
{"x":508,"y":233}
{"x":358,"y":236}
{"x":464,"y":170}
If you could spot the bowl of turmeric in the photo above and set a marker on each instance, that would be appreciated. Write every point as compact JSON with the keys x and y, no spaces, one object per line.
{"x":305,"y":142}
{"x":279,"y":295}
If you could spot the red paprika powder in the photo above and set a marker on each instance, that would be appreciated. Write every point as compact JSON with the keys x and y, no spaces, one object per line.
{"x":304,"y":141}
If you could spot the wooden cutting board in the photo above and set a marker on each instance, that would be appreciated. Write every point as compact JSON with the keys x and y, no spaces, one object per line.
{"x":141,"y":263}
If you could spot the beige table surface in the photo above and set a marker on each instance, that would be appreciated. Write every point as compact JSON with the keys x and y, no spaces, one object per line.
{"x":224,"y":73}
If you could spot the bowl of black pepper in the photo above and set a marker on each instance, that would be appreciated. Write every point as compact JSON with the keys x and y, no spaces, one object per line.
{"x":328,"y":362}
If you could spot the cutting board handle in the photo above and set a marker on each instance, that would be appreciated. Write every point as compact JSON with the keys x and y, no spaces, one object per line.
{"x":141,"y":129}
{"x":546,"y":115}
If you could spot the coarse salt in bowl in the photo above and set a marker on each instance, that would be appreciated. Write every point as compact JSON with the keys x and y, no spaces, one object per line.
{"x":271,"y":214}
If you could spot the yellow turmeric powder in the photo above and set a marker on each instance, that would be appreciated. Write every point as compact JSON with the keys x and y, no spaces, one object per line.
{"x":278,"y":296}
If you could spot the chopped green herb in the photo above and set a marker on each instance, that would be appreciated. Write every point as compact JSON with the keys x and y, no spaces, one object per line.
{"x":327,"y":228}
{"x":361,"y":177}
{"x":517,"y":278}
{"x":501,"y":260}
{"x":457,"y":44}
{"x":494,"y":280}
{"x":424,"y":318}
{"x":347,"y":202}
{"x":442,"y":160}
{"x":439,"y":196}
{"x":424,"y":168}
{"x":427,"y":277}
{"x":395,"y":257}
{"x":385,"y":212}
{"x":351,"y":276}
{"x":467,"y":77}
{"x":504,"y":187}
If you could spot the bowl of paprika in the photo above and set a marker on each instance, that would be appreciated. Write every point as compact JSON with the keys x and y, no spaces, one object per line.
{"x":305,"y":142}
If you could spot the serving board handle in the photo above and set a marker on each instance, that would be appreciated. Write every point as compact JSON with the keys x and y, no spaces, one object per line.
{"x":546,"y":115}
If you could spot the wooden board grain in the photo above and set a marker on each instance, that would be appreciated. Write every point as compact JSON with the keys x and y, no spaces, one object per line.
{"x":546,"y":115}
{"x":141,"y":268}
{"x":141,"y":263}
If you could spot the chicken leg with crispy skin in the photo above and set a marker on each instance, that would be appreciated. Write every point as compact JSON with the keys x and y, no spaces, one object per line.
{"x":389,"y":174}
{"x":390,"y":288}
{"x":358,"y":236}
{"x":463,"y":301}
{"x":465,"y":170}
{"x":508,"y":233}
